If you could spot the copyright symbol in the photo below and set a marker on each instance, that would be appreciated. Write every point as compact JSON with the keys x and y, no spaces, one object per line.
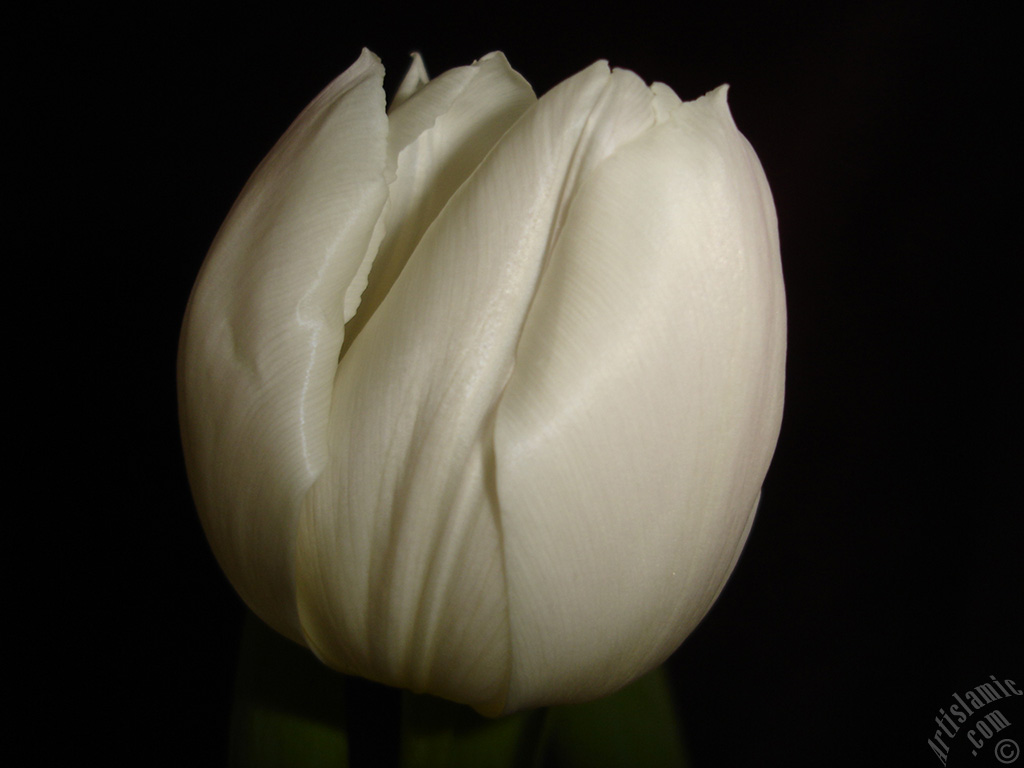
{"x":1007,"y":751}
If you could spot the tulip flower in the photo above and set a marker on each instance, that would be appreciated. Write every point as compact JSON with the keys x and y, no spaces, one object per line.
{"x":478,"y":393}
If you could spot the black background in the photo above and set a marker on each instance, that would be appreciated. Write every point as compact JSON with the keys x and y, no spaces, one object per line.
{"x":883,"y":573}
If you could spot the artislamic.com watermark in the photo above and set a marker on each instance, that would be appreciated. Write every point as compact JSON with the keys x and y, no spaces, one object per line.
{"x":964,"y":714}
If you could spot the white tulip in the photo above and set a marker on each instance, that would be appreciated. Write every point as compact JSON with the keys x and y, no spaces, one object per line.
{"x":477,"y":395}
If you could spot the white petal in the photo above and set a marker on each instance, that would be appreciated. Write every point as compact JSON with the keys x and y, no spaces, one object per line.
{"x":264,"y":328}
{"x":436,"y":139}
{"x":637,"y":427}
{"x":403,"y":529}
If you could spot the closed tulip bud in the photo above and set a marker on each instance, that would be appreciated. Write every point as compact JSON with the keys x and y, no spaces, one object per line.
{"x":478,"y":393}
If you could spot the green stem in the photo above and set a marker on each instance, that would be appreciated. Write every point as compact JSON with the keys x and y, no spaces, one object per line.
{"x":636,"y":726}
{"x":290,"y":711}
{"x":438,"y":733}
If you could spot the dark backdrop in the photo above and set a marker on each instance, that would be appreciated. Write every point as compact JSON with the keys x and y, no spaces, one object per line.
{"x":883,"y":573}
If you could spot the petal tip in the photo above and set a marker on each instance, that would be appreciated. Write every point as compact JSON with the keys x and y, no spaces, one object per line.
{"x":414,"y":79}
{"x":719,"y":94}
